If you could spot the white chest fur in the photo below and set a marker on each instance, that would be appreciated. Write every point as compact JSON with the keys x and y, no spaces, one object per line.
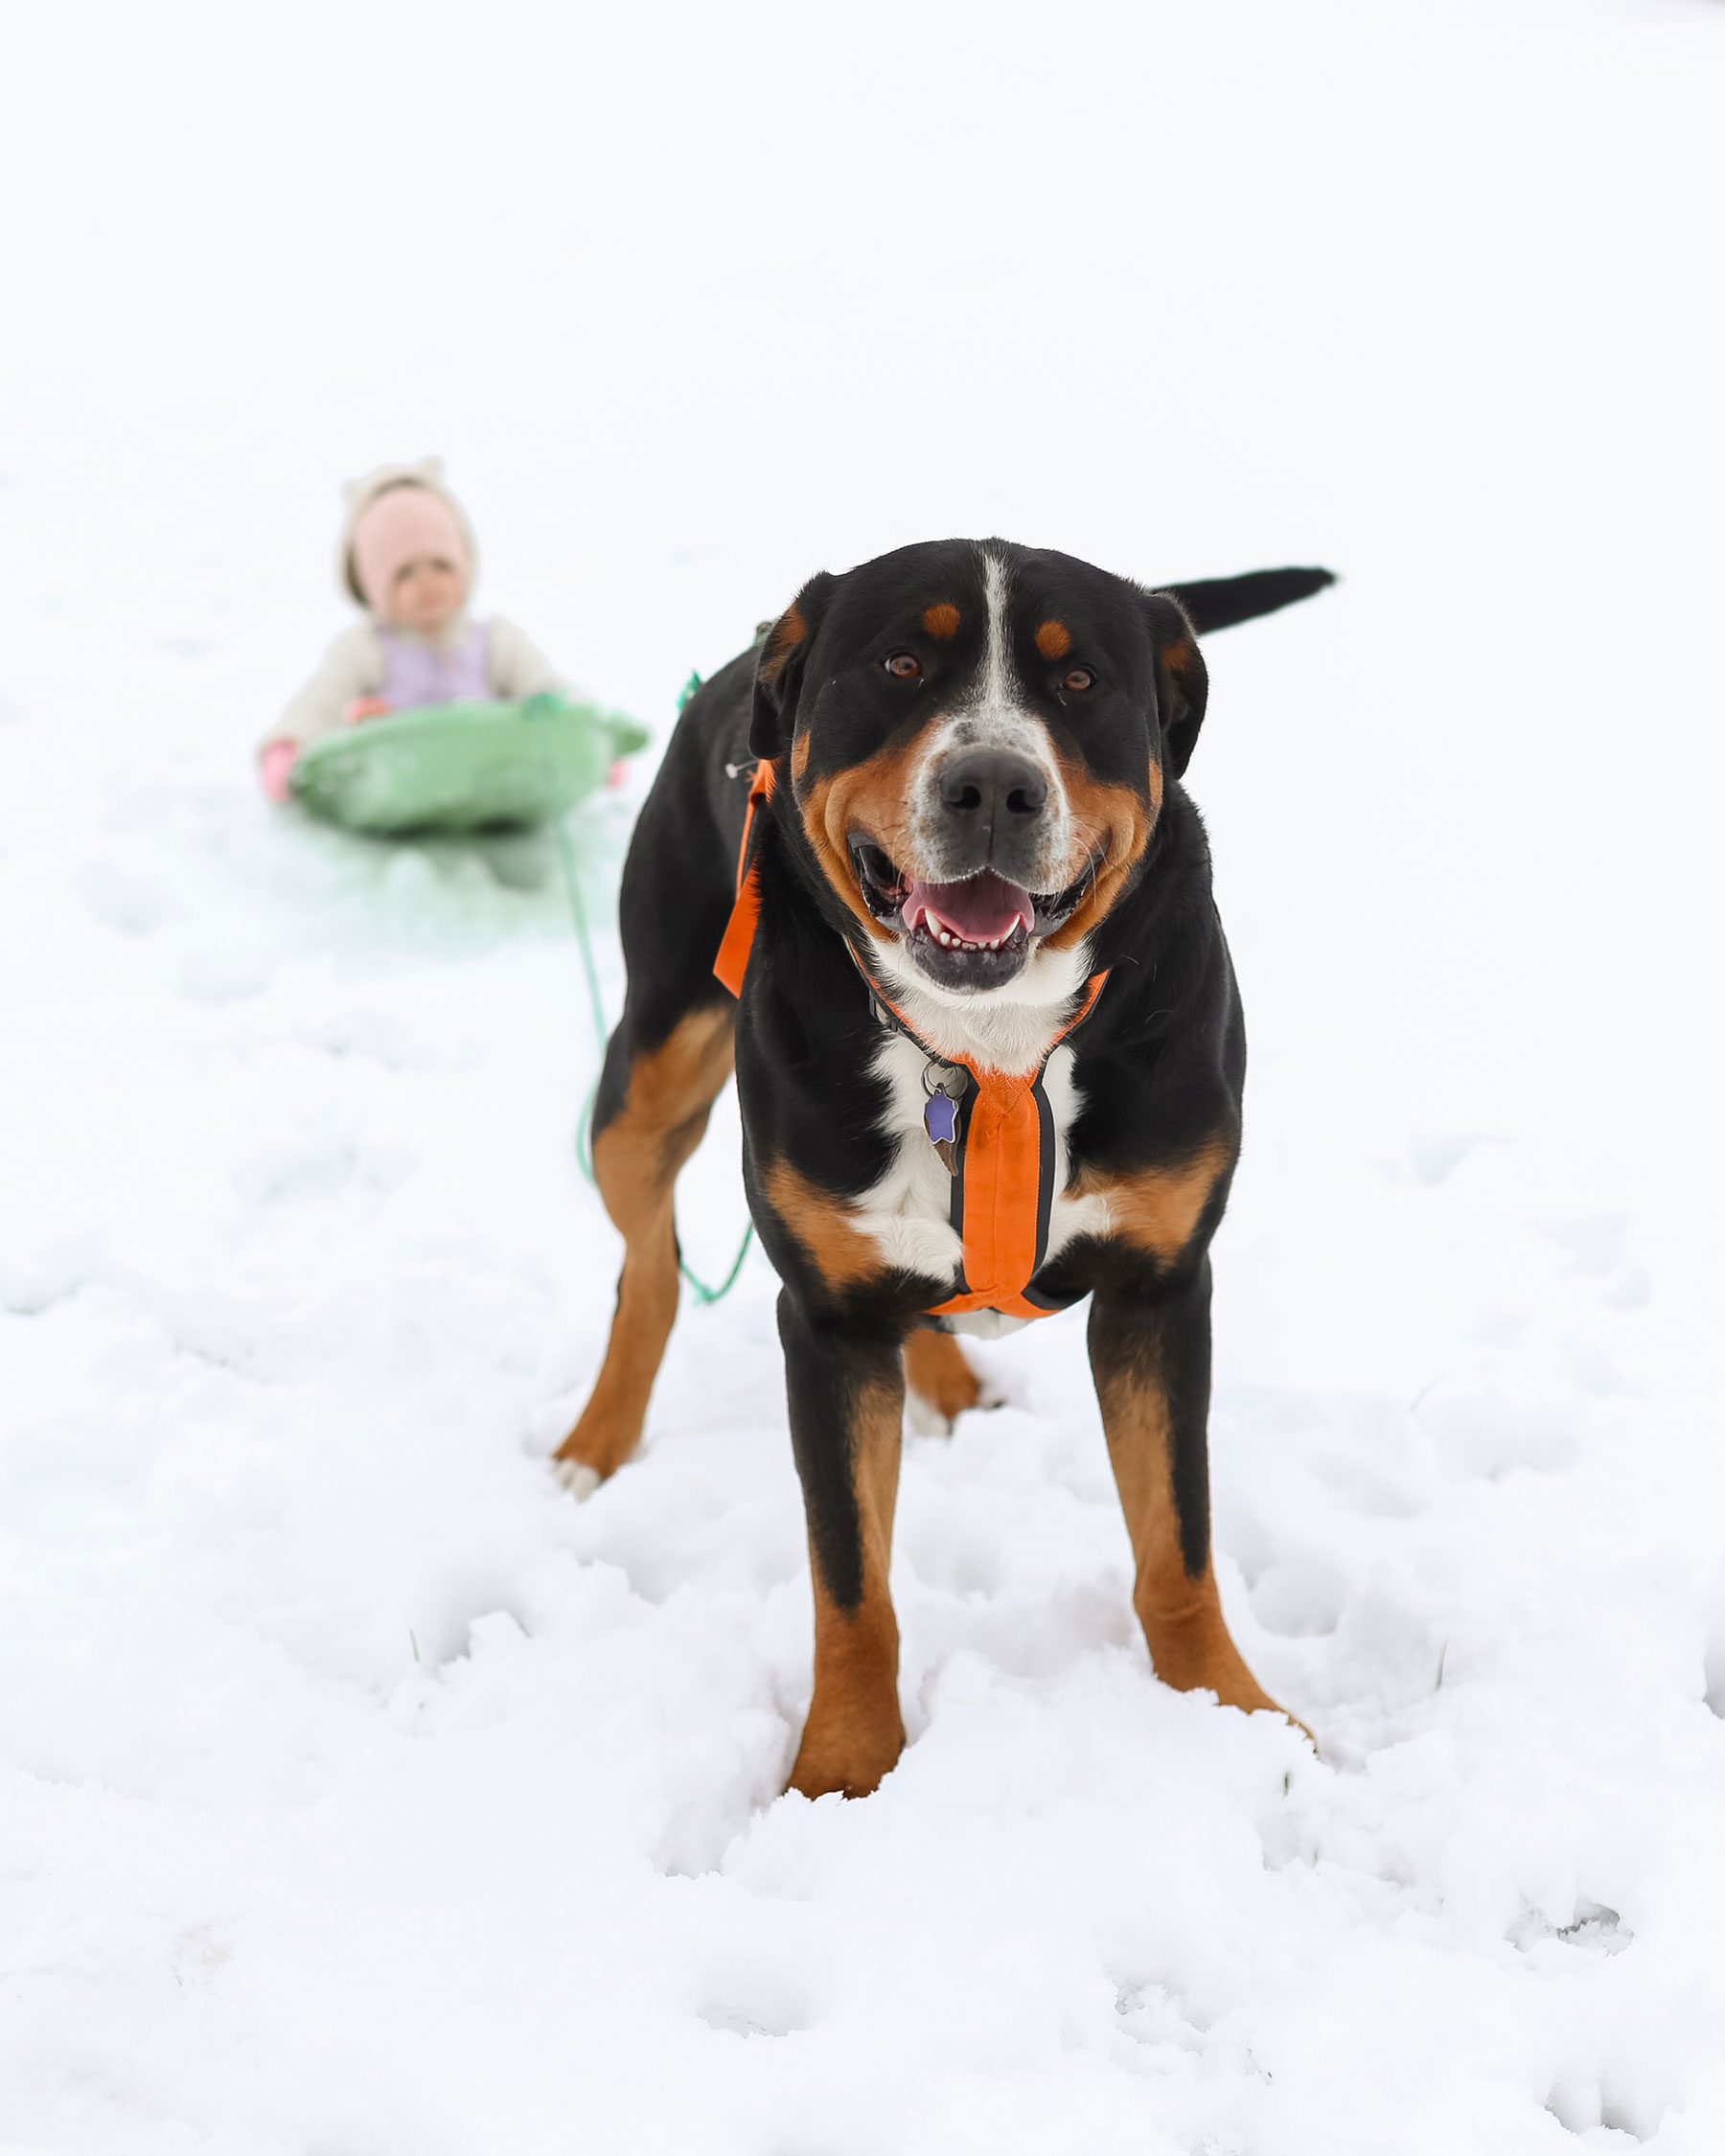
{"x":908,"y":1210}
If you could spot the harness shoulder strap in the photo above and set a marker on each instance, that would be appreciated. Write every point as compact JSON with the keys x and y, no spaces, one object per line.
{"x":732,"y":961}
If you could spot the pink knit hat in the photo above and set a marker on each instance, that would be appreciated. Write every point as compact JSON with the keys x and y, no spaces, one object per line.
{"x":394,"y":514}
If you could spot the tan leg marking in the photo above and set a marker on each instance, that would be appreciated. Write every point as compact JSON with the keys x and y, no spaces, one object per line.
{"x":636,"y":1161}
{"x":937,"y":1371}
{"x":837,"y":1247}
{"x":1159,"y":1209}
{"x":855,"y":1733}
{"x":1190,"y":1645}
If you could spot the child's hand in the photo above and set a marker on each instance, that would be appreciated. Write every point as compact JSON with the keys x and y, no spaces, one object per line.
{"x":273,"y":767}
{"x":365,"y":707}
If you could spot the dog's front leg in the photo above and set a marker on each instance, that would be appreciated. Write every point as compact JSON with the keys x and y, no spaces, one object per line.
{"x":1150,"y":1355}
{"x":846,"y":1396}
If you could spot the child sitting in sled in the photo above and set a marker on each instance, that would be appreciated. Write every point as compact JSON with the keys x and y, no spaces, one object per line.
{"x":406,"y":555}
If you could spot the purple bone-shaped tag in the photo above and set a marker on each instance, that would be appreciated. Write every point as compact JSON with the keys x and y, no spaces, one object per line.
{"x":940,"y":1118}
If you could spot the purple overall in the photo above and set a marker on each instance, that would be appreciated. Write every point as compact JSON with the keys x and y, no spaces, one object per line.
{"x":415,"y":674}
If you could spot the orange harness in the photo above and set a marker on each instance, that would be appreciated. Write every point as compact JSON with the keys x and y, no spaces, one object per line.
{"x":1004,"y":1162}
{"x":732,"y":961}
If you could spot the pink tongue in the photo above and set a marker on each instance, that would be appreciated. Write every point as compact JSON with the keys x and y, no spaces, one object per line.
{"x":981,"y":910}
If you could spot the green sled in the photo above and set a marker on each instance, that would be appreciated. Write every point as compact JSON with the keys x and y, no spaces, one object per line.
{"x":460,"y":767}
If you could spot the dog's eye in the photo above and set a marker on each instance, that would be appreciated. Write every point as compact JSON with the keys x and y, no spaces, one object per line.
{"x":1079,"y":679}
{"x":903,"y":666}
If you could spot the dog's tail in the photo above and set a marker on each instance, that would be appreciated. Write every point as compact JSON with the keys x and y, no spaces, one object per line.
{"x":1219,"y":602}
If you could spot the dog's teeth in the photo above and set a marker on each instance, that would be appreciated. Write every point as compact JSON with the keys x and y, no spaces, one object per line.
{"x":949,"y":940}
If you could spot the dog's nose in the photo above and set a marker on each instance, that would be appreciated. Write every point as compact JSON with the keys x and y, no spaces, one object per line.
{"x":994,"y":788}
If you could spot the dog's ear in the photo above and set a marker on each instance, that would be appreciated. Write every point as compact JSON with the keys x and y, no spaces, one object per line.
{"x":779,"y":667}
{"x":1182,"y":678}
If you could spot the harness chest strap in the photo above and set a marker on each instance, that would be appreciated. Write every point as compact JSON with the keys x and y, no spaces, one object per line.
{"x":1002,"y":1192}
{"x":1002,"y":1185}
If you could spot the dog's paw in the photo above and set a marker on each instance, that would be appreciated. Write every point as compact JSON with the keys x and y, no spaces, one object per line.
{"x":925,"y":1418}
{"x":576,"y":1477}
{"x":940,"y":1384}
{"x":989,"y":1395}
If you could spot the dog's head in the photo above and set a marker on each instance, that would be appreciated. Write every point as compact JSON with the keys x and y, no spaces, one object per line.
{"x":977,"y":738}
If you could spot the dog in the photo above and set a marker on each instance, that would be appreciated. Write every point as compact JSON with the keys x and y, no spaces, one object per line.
{"x":988,"y":1047}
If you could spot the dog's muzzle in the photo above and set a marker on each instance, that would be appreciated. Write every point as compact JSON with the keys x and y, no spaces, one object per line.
{"x":970,"y":922}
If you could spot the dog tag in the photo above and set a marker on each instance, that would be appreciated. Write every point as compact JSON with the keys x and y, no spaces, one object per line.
{"x":940,"y":1119}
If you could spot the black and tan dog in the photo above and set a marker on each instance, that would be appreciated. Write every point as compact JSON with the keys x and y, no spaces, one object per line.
{"x":988,"y":1047}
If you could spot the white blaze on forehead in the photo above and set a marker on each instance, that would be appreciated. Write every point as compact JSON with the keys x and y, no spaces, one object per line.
{"x":999,"y":686}
{"x":994,"y":715}
{"x":998,"y":715}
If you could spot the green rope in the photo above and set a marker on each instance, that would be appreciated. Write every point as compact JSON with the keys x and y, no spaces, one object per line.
{"x":584,"y":1142}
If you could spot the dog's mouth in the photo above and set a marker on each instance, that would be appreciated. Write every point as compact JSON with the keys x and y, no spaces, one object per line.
{"x":976,"y":932}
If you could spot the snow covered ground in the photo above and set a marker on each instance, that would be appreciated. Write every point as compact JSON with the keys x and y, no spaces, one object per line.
{"x":363,"y":1795}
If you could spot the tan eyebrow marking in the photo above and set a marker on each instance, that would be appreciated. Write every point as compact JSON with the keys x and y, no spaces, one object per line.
{"x":1053,"y":639}
{"x":941,"y":621}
